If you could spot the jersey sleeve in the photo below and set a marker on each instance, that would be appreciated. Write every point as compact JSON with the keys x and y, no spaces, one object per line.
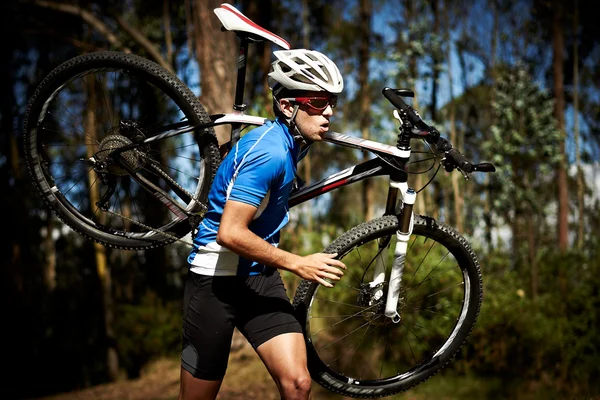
{"x":254,"y":177}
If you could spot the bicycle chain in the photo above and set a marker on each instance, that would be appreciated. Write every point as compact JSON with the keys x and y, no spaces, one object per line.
{"x":153,"y":164}
{"x":175,"y":238}
{"x":165,"y":176}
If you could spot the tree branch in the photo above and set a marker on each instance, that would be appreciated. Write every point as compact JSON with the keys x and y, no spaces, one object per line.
{"x":88,"y":17}
{"x":145,"y":43}
{"x":168,"y":35}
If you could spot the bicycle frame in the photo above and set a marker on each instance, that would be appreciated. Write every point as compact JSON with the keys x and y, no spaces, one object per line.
{"x":403,"y":209}
{"x":378,"y":166}
{"x":389,"y":161}
{"x":101,"y":166}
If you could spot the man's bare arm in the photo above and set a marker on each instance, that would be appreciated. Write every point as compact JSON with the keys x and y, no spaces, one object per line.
{"x":235,"y":235}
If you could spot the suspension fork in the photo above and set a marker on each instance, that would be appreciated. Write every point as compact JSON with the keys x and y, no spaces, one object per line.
{"x":405,"y":227}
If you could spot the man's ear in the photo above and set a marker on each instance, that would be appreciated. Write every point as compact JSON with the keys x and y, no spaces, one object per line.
{"x":287,"y":108}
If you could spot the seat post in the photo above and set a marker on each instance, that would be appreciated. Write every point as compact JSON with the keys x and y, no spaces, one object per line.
{"x":238,"y":104}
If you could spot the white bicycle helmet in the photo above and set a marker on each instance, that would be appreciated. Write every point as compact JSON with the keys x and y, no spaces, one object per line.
{"x":303,"y":69}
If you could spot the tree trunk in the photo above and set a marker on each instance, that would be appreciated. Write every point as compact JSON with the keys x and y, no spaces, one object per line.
{"x":216,"y":55}
{"x":7,"y":108}
{"x":487,"y":205}
{"x":445,"y":206}
{"x":580,"y":181}
{"x":421,"y":202}
{"x":435,"y":61}
{"x":561,"y":173}
{"x":456,"y":194}
{"x":531,"y":246}
{"x":364,"y":23}
{"x":50,"y":251}
{"x":306,"y":162}
{"x":559,"y":113}
{"x":102,"y":267}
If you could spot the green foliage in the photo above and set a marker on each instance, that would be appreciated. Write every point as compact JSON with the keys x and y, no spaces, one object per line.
{"x":525,"y":139}
{"x":554,"y":338}
{"x":146,"y":331}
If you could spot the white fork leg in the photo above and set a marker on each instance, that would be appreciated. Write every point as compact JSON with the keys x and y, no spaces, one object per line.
{"x":402,"y":238}
{"x":379,"y":273}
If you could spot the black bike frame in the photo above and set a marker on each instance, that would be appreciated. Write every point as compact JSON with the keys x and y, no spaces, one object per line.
{"x":389,"y":162}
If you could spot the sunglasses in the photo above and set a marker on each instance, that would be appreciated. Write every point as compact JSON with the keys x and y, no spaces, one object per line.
{"x":317,"y":103}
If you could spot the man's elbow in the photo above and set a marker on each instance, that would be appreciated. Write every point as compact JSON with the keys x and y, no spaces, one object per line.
{"x":225,"y":239}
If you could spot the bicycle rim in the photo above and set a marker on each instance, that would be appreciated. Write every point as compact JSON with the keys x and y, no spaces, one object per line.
{"x":96,"y":103}
{"x":353,"y":348}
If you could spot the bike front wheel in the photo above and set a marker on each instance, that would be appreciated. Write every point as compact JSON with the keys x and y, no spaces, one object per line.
{"x":87,"y":109}
{"x":353,"y":348}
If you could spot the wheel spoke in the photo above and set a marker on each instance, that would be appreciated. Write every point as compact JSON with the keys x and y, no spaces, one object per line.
{"x":82,"y":114}
{"x":356,"y":344}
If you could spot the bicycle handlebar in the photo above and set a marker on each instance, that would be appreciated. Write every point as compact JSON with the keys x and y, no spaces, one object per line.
{"x":453,"y":158}
{"x":407,"y":110}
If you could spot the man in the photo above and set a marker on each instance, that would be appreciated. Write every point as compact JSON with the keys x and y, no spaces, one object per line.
{"x":234,"y":279}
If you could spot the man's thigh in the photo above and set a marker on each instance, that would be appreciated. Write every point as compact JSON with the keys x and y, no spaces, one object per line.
{"x":266,"y":311}
{"x":208,"y":324}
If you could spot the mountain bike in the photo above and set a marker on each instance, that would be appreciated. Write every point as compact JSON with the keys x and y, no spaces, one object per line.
{"x":124,"y":153}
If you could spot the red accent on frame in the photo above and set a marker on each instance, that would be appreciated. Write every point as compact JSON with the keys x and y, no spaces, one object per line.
{"x":324,"y":189}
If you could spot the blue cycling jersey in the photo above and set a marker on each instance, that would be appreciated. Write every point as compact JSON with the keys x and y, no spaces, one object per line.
{"x":260,"y":171}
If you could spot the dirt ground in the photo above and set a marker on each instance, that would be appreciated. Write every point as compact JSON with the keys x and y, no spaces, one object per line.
{"x":246,"y":378}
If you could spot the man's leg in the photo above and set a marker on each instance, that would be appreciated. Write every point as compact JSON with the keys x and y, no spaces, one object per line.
{"x":197,"y":389}
{"x":285,"y":359}
{"x":207,"y":332}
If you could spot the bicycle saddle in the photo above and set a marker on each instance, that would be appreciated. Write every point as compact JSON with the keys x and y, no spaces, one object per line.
{"x":233,"y":20}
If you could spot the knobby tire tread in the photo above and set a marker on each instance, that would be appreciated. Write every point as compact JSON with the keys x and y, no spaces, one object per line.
{"x":357,"y":236}
{"x":207,"y":141}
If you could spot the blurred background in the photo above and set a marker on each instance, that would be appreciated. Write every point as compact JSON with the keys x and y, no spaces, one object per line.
{"x":514,"y":82}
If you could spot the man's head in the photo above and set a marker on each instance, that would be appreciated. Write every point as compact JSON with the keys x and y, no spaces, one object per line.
{"x":305,"y":85}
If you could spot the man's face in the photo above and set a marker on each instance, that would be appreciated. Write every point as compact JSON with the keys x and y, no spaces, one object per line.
{"x":311,"y":122}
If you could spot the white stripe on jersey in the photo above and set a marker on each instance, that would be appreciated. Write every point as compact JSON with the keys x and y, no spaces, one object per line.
{"x":211,"y":255}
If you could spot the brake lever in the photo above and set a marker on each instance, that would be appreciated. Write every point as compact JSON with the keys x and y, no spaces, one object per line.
{"x":396,"y":115}
{"x":450,"y":166}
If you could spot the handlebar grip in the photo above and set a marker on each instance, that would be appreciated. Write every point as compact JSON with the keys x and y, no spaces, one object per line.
{"x":397,"y":102}
{"x":459,"y":160}
{"x":484,"y":167}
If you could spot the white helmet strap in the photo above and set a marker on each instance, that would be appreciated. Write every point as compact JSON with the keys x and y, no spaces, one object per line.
{"x":291,"y":122}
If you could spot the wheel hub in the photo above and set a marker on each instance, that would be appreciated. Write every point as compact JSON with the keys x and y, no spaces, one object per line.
{"x":371,"y":297}
{"x":119,"y":137}
{"x":108,"y":145}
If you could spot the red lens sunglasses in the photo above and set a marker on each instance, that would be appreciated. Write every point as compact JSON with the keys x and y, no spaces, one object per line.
{"x":317,"y":103}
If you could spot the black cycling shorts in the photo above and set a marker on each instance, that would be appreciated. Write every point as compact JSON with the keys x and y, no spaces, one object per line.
{"x":213,"y":305}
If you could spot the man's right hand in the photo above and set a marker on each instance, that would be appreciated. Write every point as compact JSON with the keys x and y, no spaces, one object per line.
{"x":321,"y":268}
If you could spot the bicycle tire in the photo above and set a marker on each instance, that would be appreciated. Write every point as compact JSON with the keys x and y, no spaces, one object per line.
{"x":352,"y":348}
{"x":95,"y":103}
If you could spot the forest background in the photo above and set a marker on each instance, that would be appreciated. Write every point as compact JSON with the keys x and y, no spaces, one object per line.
{"x":511,"y":82}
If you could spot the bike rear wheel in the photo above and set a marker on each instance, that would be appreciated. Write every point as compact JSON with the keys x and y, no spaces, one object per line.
{"x":353,"y":349}
{"x":94,"y":104}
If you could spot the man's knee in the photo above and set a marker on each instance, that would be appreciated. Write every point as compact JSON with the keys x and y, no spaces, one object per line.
{"x":297,"y":386}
